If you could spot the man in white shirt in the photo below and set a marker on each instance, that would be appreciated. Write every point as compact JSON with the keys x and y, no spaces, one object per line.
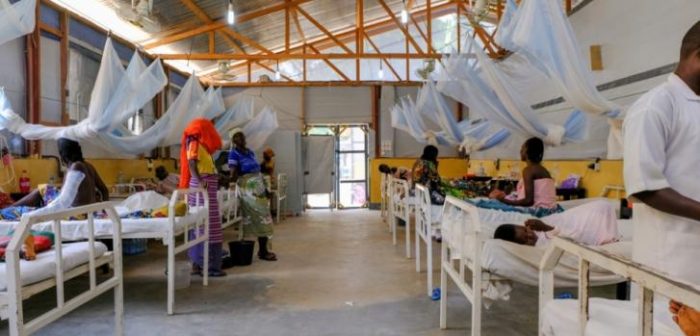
{"x":662,"y":168}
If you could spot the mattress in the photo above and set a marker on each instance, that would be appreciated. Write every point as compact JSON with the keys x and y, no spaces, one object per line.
{"x":78,"y":230}
{"x":607,"y":317}
{"x":44,"y":266}
{"x":521,"y":263}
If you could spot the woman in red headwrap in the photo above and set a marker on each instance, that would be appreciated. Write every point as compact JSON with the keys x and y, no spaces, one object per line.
{"x":197,"y":170}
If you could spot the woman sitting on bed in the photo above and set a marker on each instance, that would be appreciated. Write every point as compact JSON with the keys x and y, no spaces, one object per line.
{"x":536,"y":191}
{"x":82,"y":186}
{"x":593,"y":224}
{"x":425,"y":172}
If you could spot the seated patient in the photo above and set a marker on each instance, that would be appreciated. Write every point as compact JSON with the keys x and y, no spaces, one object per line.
{"x":536,"y":190}
{"x":82,"y":186}
{"x":594,"y":224}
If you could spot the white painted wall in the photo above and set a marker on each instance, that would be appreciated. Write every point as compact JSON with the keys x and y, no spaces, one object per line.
{"x":636,"y":36}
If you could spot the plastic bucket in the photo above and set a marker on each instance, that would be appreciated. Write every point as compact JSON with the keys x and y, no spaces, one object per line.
{"x":242,"y":252}
{"x":134,"y":246}
{"x":183,"y":276}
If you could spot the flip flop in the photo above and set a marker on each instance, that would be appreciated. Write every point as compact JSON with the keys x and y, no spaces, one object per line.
{"x":268,"y":257}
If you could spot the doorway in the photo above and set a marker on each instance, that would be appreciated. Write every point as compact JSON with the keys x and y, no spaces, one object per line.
{"x":350,"y":162}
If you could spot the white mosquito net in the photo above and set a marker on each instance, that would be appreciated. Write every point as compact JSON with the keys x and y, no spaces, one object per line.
{"x":16,"y":19}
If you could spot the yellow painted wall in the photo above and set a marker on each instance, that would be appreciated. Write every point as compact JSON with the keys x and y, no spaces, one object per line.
{"x":610,"y":171}
{"x":109,"y":169}
{"x":40,"y":170}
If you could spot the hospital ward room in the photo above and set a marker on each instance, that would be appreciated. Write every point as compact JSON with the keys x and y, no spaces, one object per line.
{"x":350,"y":167}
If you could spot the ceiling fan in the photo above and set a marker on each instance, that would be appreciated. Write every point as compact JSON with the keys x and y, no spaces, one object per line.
{"x":224,"y":72}
{"x":139,"y":13}
{"x":427,"y":69}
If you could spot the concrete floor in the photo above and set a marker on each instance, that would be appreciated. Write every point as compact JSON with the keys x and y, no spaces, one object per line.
{"x":338,"y":274}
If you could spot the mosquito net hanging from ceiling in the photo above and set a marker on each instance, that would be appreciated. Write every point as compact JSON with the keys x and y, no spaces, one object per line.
{"x":260,"y":128}
{"x":117,"y":94}
{"x":16,"y":19}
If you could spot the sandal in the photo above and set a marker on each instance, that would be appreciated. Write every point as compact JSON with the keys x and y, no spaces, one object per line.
{"x":269,"y":256}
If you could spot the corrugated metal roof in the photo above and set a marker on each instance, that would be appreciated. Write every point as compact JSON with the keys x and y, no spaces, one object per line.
{"x":269,"y":30}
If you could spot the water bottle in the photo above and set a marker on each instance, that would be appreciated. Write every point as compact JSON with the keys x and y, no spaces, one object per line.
{"x":515,"y":172}
{"x":6,"y":157}
{"x":555,"y":173}
{"x":481,"y":171}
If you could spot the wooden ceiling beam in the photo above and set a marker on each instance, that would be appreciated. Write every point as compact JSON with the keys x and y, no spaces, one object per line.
{"x":178,"y":37}
{"x":480,"y":32}
{"x":212,"y":42}
{"x":300,"y":31}
{"x":287,"y":30}
{"x":410,"y":39}
{"x":273,"y":70}
{"x":313,"y":84}
{"x":281,"y":56}
{"x":382,"y":26}
{"x":240,"y":37}
{"x":323,"y":29}
{"x":331,"y":65}
{"x":198,"y":12}
{"x":422,"y":34}
{"x":212,"y":25}
{"x":202,"y":16}
{"x":386,"y":61}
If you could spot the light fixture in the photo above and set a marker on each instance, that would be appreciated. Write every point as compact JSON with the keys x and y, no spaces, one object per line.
{"x":230,"y":14}
{"x":404,"y":13}
{"x":278,"y":75}
{"x":381,"y":71}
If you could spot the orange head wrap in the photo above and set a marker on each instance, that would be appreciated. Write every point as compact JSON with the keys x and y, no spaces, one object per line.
{"x":204,"y":131}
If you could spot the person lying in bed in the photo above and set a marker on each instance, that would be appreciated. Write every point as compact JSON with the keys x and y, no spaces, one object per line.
{"x":593,"y":224}
{"x":81,"y":186}
{"x":536,"y":190}
{"x":36,"y":242}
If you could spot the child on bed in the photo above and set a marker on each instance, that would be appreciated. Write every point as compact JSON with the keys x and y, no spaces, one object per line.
{"x":593,"y":223}
{"x":36,"y":242}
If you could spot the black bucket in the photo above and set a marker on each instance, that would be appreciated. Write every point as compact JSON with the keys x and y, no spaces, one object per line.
{"x":242,"y":252}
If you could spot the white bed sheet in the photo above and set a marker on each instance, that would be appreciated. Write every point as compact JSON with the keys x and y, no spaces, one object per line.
{"x":607,"y":317}
{"x":44,"y":266}
{"x":521,"y":263}
{"x":78,"y":230}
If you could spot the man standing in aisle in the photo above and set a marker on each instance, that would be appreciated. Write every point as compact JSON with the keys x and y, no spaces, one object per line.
{"x":662,"y":170}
